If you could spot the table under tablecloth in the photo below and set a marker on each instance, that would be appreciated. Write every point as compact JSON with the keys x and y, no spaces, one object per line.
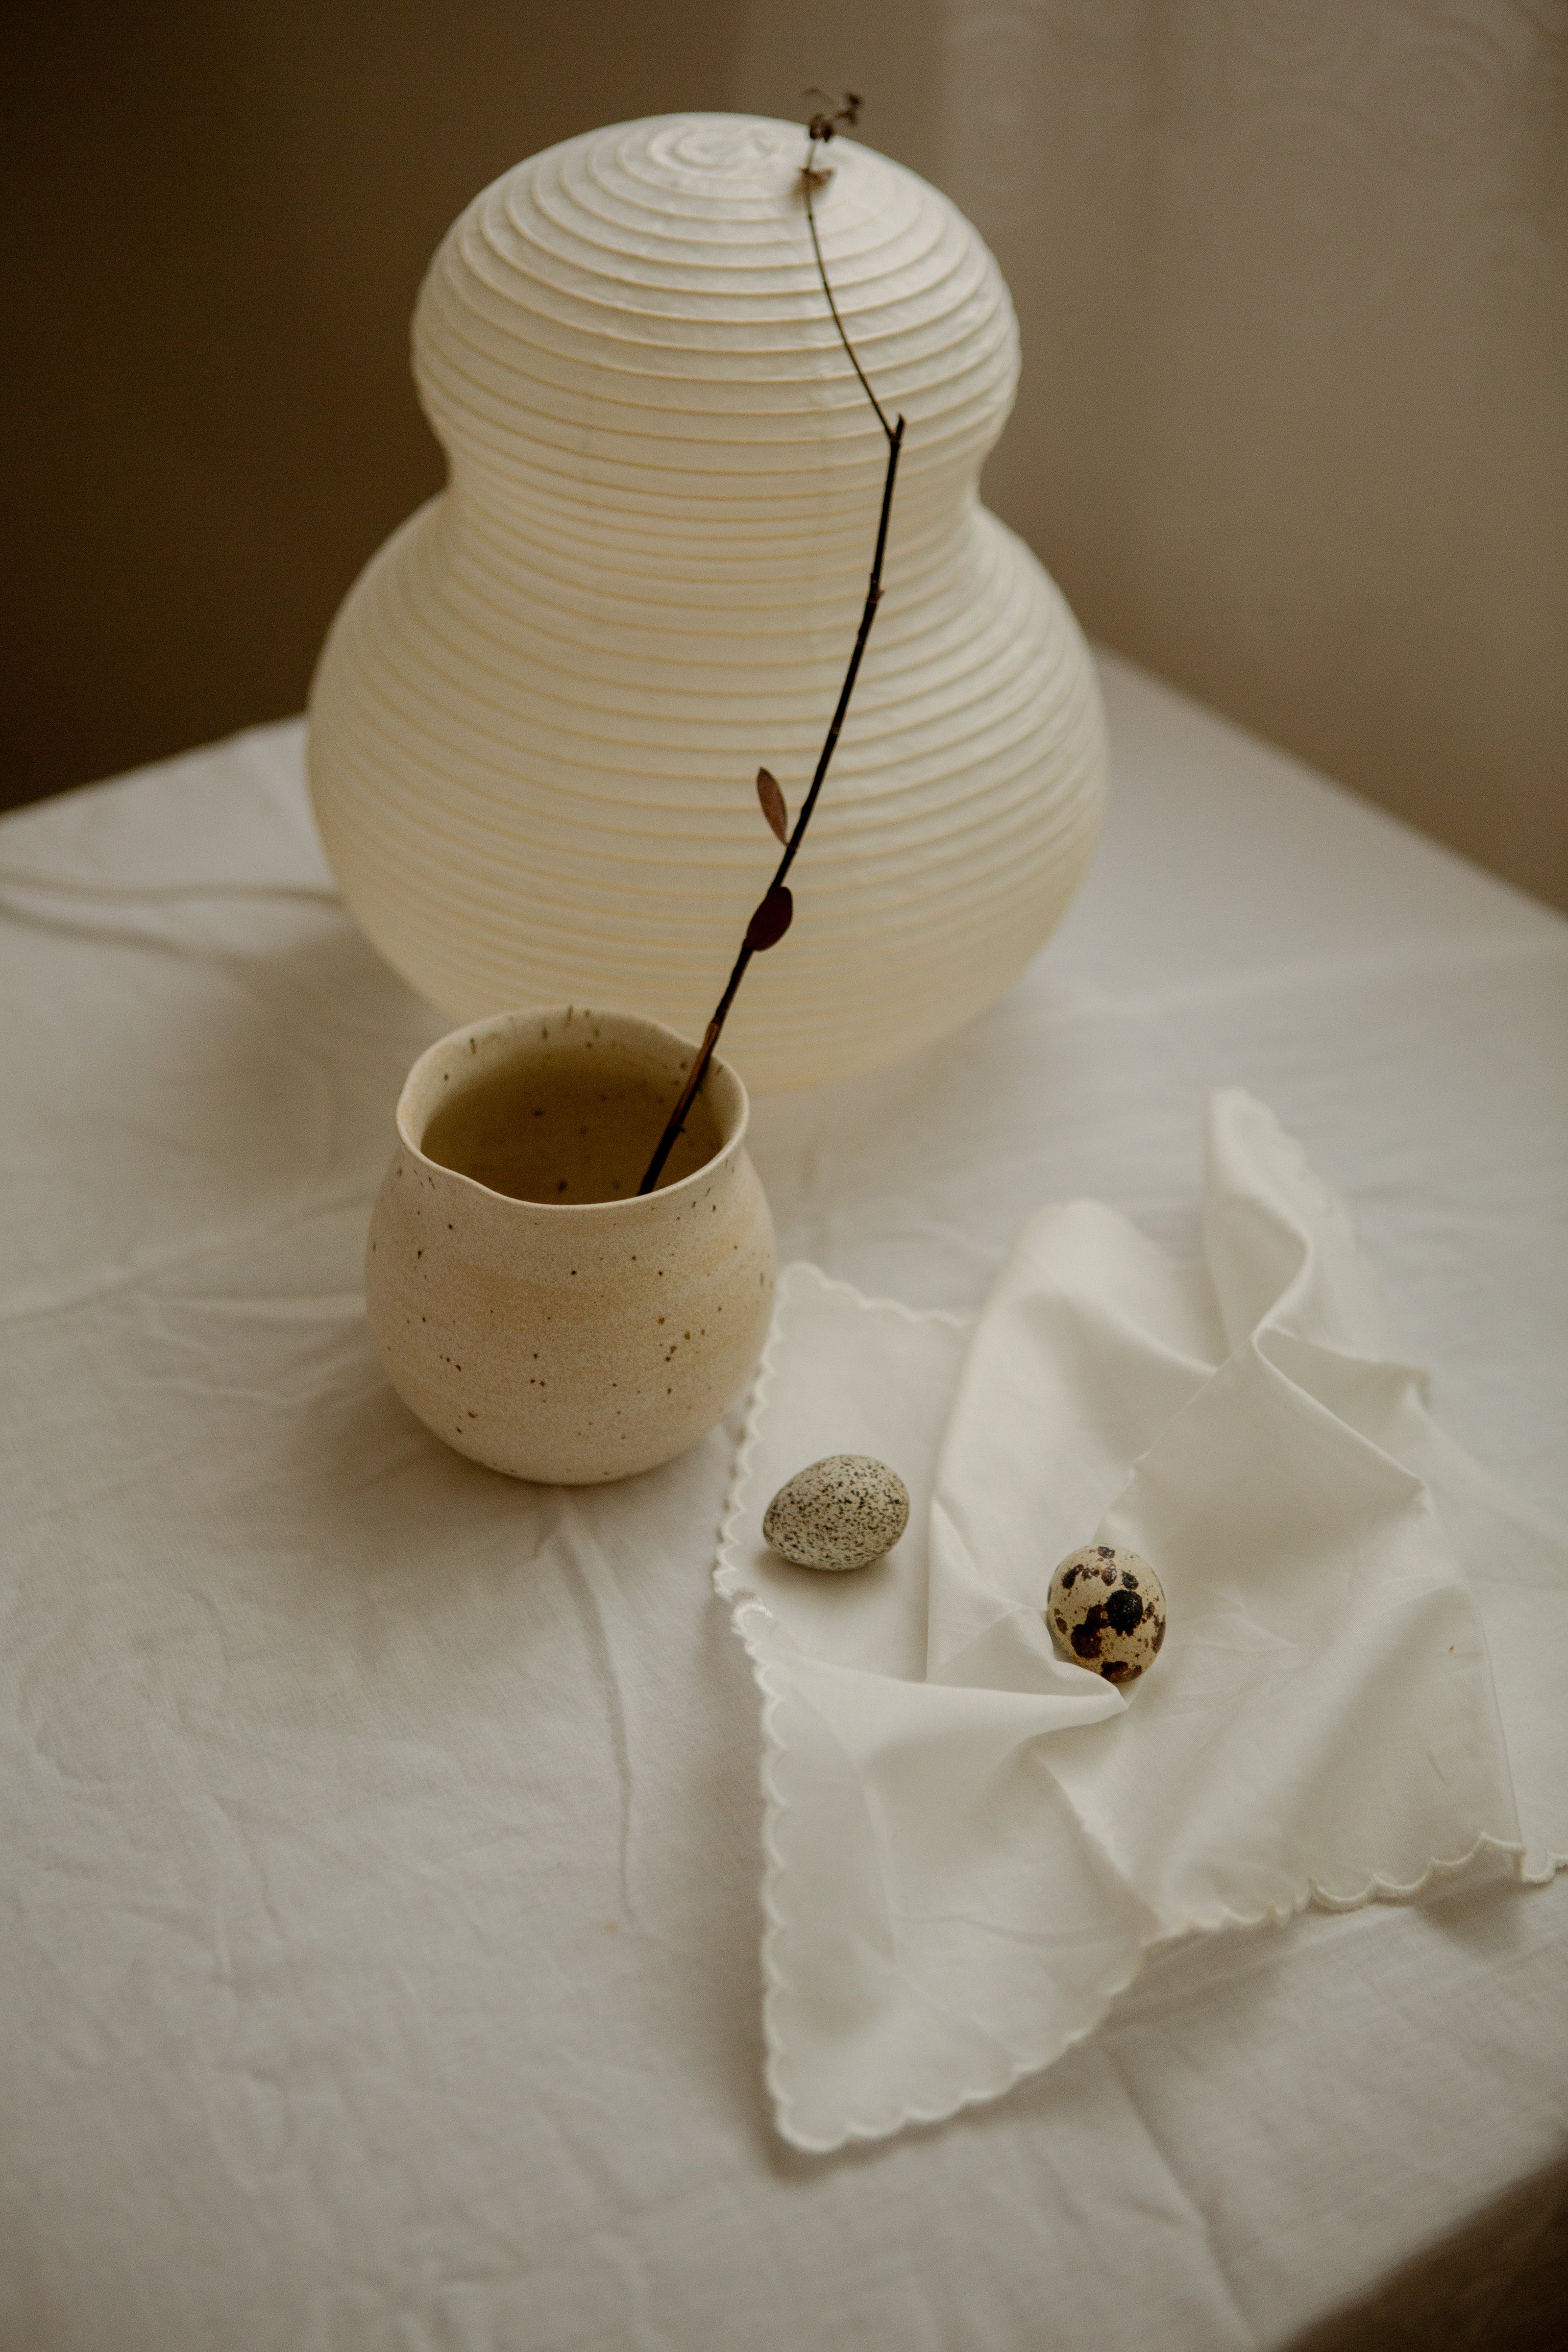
{"x":380,"y":1923}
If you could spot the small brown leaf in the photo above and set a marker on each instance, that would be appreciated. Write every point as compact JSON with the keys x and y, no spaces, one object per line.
{"x":773,"y":916}
{"x":773,"y":802}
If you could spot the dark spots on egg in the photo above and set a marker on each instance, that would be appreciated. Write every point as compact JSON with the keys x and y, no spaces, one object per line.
{"x":839,"y":1513}
{"x":1107,"y":1612}
{"x":1086,"y":1636}
{"x":1125,"y":1611}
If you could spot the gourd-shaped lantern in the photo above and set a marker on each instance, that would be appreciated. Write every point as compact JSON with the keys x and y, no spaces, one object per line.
{"x":538,"y":717}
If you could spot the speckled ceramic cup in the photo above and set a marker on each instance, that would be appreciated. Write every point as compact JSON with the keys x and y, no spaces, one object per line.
{"x":528,"y":1305}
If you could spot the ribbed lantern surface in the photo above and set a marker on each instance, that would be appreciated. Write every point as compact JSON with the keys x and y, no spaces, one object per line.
{"x":538,"y":718}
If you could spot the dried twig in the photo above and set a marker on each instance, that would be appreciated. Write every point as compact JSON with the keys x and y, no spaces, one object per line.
{"x":774,"y":910}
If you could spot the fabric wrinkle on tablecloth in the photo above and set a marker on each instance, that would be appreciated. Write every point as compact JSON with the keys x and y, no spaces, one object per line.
{"x":970,"y":1843}
{"x":382,"y":1840}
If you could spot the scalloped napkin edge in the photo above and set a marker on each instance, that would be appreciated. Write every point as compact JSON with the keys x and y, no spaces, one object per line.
{"x":971,"y":1846}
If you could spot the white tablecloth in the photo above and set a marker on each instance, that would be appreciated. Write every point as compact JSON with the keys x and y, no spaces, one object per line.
{"x":378,"y":1919}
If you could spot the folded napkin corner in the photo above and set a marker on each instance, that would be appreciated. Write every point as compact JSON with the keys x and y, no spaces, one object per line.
{"x":971,"y":1844}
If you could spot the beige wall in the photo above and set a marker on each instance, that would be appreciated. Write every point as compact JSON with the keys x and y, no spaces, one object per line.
{"x":1293,"y":282}
{"x":1292,"y":275}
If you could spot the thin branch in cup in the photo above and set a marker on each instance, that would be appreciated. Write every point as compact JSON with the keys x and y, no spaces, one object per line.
{"x":776,"y":909}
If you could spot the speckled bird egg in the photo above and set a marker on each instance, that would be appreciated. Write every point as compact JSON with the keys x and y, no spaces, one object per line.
{"x":841,"y":1513}
{"x":1107,"y":1610}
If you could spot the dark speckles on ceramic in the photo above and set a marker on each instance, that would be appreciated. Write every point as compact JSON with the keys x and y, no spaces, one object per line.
{"x":1107,"y":1612}
{"x":533,"y":1309}
{"x":840,"y":1513}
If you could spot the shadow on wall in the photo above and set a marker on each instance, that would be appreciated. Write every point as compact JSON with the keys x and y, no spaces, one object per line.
{"x":1293,"y":285}
{"x":224,"y":214}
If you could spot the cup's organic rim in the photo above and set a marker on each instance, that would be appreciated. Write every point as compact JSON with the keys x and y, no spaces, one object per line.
{"x":494,"y":1023}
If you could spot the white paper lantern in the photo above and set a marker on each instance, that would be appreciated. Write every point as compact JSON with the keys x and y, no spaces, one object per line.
{"x":538,"y":718}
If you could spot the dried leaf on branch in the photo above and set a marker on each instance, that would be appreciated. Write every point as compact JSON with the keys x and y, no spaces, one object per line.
{"x":772,"y":805}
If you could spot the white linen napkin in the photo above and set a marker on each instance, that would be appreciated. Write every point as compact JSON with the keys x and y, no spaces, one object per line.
{"x":970,"y":1842}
